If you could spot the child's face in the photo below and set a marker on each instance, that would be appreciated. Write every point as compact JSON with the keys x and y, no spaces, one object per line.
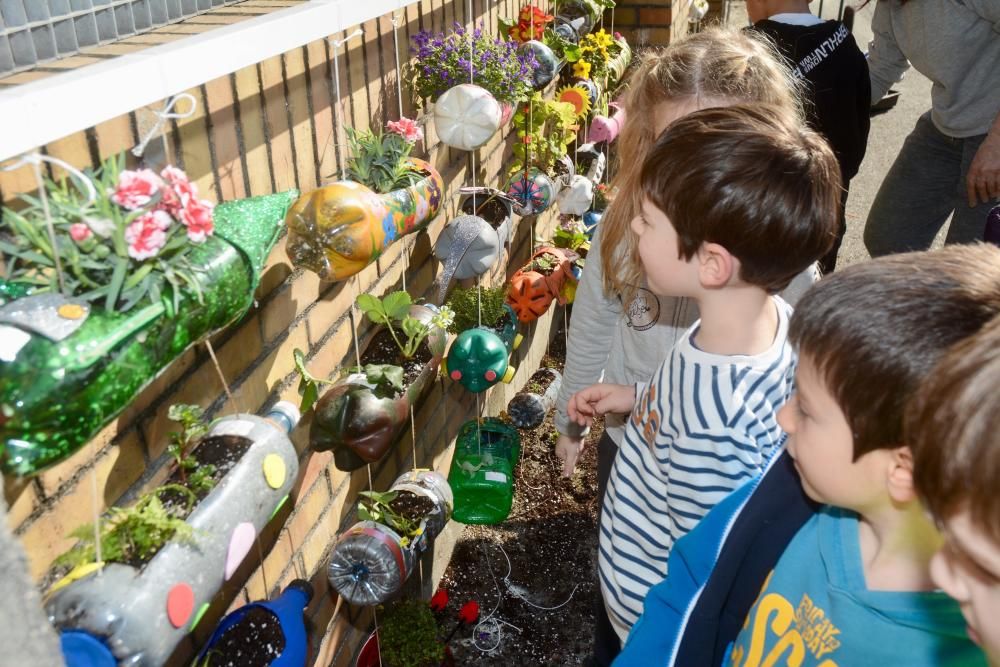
{"x":821,"y":443}
{"x":968,"y":569}
{"x":666,"y":273}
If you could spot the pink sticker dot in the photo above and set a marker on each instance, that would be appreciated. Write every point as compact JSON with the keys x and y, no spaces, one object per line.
{"x":491,"y":375}
{"x":456,"y":375}
{"x":180,"y":604}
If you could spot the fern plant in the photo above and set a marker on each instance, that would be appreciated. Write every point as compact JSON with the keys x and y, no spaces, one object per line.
{"x":469,"y":304}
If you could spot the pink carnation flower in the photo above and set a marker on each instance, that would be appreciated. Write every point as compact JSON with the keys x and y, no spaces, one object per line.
{"x":177,"y":190}
{"x":197,"y":217}
{"x":80,"y":232}
{"x":147,"y":234}
{"x":406,"y":128}
{"x":136,"y":188}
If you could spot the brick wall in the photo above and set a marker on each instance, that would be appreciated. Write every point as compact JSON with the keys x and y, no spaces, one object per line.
{"x":650,"y":22}
{"x":263,"y":129}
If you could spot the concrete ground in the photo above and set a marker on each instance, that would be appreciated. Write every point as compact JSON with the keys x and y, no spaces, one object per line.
{"x":888,"y":130}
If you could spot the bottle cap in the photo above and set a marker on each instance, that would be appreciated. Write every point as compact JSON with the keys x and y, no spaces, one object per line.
{"x":286,"y":413}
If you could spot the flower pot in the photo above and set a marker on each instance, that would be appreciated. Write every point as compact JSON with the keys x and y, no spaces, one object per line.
{"x":533,"y":191}
{"x":360,"y":426}
{"x":341,"y":228}
{"x":532,"y":291}
{"x":549,"y":63}
{"x":606,"y":128}
{"x":577,"y":14}
{"x":369,"y":655}
{"x":140,"y":614}
{"x":577,"y":196}
{"x":67,"y":369}
{"x":619,"y":63}
{"x":528,"y":409}
{"x":466,"y":116}
{"x":371,"y":561}
{"x":267,"y":632}
{"x":479,"y":358}
{"x":472,"y":243}
{"x":482,"y":471}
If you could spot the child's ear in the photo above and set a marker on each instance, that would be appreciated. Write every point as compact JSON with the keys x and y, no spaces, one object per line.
{"x":900,"y":475}
{"x":716,"y":265}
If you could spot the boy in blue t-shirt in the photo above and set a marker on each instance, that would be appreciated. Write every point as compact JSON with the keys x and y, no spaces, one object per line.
{"x":849,"y":584}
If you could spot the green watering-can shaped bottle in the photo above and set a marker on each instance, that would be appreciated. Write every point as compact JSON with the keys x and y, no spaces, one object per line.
{"x":68,"y":368}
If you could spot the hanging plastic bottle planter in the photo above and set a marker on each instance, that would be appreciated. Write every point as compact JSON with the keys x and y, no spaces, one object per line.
{"x":466,"y":117}
{"x":67,"y":368}
{"x":480,"y":357}
{"x":605,"y":129}
{"x":549,"y":63}
{"x":373,"y":559}
{"x":338,"y":230}
{"x":473,"y":242}
{"x":546,"y":278}
{"x":577,"y":196}
{"x":137,"y":615}
{"x":528,"y":409}
{"x":359,"y":418}
{"x":266,"y":632}
{"x":482,"y":471}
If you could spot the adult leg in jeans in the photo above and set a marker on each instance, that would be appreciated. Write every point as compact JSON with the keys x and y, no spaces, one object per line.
{"x":969,"y":222}
{"x":918,"y":193}
{"x":607,"y":645}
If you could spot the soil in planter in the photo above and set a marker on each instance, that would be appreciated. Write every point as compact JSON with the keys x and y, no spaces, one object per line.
{"x":551,"y":540}
{"x":489,"y":208}
{"x":255,"y":641}
{"x":383,"y":350}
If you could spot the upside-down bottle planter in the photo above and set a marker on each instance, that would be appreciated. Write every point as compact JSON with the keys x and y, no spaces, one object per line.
{"x":528,"y":409}
{"x":466,"y":116}
{"x":140,"y":613}
{"x":533,"y":191}
{"x":577,"y":196}
{"x":480,"y":357}
{"x":482,"y":471}
{"x":472,"y":243}
{"x":67,"y":369}
{"x":549,"y":63}
{"x":337,"y":230}
{"x":546,"y":278}
{"x":360,"y":423}
{"x":372,"y":560}
{"x":605,"y":129}
{"x":266,"y":632}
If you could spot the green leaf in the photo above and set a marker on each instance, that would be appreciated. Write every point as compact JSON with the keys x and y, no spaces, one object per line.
{"x":371,"y":307}
{"x":115,"y":287}
{"x":397,"y":304}
{"x":309,"y":392}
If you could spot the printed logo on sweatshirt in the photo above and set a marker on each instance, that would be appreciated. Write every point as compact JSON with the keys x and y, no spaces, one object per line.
{"x":778,"y":633}
{"x":820,"y":53}
{"x":643,"y":311}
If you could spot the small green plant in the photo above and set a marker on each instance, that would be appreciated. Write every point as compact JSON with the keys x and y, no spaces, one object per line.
{"x":544,"y":128}
{"x":545,"y":263}
{"x":309,"y":384}
{"x":381,"y":160}
{"x":194,"y":475}
{"x":408,"y":635}
{"x":394,"y":311}
{"x":469,"y":304}
{"x":386,"y":378}
{"x":133,"y":533}
{"x":377,"y":506}
{"x":571,"y":234}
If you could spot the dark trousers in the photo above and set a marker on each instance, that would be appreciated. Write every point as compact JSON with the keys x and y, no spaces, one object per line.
{"x":606,"y":643}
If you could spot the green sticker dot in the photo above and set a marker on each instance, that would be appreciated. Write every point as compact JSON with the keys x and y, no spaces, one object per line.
{"x":197,"y":617}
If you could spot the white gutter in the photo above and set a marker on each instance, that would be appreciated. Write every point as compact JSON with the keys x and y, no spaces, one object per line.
{"x":35,"y":113}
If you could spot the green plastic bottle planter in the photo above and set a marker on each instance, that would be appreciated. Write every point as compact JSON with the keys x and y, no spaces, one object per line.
{"x":482,"y":471}
{"x":479,"y":358}
{"x":360,"y":426}
{"x":67,"y":369}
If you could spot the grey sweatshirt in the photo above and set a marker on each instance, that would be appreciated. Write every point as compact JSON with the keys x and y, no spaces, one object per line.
{"x":626,"y":345}
{"x":955,"y":44}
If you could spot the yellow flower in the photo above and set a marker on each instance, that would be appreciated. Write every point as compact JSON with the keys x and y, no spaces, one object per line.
{"x":581,"y":69}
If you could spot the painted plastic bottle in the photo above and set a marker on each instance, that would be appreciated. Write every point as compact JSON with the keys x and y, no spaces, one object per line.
{"x":482,"y":471}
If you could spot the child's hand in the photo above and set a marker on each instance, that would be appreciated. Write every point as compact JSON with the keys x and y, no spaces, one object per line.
{"x":568,"y":449}
{"x":599,"y":399}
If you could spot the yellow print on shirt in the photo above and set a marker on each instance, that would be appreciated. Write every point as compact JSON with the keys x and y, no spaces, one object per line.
{"x":799,"y":630}
{"x":646,"y":417}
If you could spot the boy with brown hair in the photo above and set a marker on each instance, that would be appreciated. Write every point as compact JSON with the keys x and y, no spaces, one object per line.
{"x":736,"y":202}
{"x":953,"y":426}
{"x":846,"y":582}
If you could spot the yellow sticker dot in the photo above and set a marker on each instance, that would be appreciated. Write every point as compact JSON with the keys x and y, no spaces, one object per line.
{"x":71,"y":311}
{"x":274,"y":470}
{"x":78,"y":572}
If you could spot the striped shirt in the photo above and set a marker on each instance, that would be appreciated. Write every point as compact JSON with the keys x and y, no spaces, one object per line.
{"x":712,"y":421}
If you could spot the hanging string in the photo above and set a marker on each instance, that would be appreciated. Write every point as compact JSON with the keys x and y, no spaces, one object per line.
{"x":98,"y":551}
{"x":338,"y":122}
{"x":395,"y":46}
{"x":36,"y":160}
{"x":222,"y":377}
{"x":162,"y":116}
